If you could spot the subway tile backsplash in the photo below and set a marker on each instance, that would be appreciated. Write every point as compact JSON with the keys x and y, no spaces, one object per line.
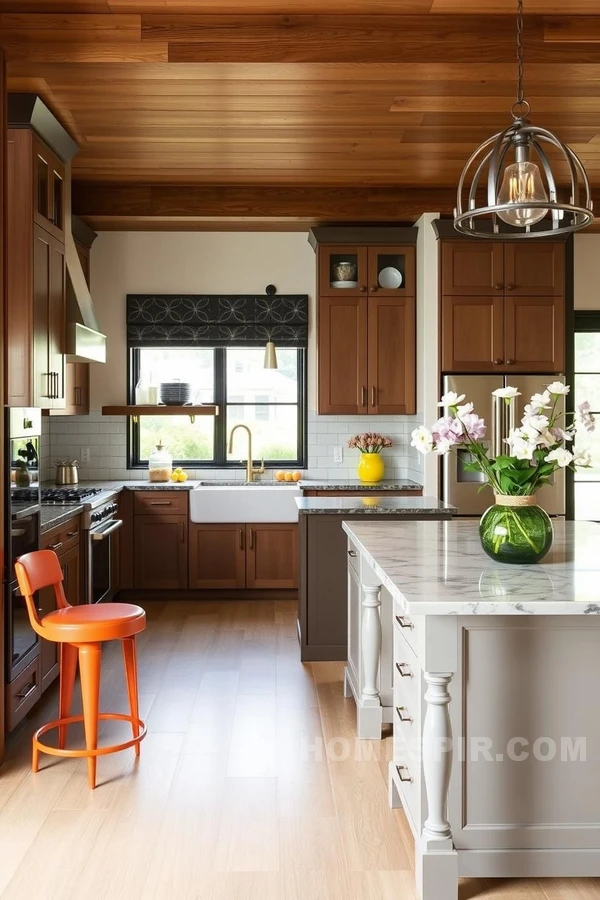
{"x":106,"y":436}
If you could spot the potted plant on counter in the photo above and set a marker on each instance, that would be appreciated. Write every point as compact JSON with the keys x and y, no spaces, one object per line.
{"x":514,"y":529}
{"x":371,"y":467}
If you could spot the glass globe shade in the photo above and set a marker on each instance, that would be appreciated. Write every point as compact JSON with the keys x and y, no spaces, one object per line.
{"x":522,"y":182}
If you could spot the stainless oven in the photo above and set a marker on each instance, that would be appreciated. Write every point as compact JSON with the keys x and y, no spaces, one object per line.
{"x":22,"y":523}
{"x":100,"y":524}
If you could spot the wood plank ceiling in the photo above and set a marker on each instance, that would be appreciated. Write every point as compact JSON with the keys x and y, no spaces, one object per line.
{"x":294,"y":111}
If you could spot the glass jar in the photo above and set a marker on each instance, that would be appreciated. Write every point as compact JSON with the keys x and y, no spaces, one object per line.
{"x":160,"y":465}
{"x":516,"y":530}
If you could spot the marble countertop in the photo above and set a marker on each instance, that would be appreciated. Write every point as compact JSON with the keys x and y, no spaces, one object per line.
{"x":355,"y":484}
{"x":440,"y":568}
{"x":370,"y":506}
{"x":132,"y":485}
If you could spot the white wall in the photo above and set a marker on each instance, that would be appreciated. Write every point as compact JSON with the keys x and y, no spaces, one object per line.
{"x":587,"y":271}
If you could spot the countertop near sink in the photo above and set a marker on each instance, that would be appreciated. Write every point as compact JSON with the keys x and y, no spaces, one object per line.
{"x":355,"y":484}
{"x":369,"y":506}
{"x":133,"y":485}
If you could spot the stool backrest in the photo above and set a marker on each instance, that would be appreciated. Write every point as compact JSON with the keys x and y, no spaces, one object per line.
{"x":36,"y":571}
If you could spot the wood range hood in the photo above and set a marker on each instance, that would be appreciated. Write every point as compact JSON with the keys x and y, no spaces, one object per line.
{"x":84,"y":340}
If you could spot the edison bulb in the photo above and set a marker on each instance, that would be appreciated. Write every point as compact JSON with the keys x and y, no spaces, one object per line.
{"x":522,"y":182}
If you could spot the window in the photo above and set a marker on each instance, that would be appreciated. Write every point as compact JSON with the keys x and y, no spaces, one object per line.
{"x":269,"y":401}
{"x":587,"y":387}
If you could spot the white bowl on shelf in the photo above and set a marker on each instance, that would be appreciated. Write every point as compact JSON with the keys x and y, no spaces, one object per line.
{"x":390,"y":278}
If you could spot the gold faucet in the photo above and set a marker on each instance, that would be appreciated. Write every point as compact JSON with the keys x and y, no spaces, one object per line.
{"x":250,"y":470}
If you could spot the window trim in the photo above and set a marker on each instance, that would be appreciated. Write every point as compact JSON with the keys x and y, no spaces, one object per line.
{"x":220,"y":460}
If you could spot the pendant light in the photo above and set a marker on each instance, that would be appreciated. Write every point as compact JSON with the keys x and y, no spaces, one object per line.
{"x":521,"y":186}
{"x":270,"y":356}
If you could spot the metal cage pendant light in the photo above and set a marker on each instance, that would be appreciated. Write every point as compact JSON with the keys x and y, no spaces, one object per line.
{"x":521,"y":187}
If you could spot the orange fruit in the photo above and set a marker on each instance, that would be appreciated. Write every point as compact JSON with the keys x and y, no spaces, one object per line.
{"x":279,"y":476}
{"x":296,"y":476}
{"x":288,"y":476}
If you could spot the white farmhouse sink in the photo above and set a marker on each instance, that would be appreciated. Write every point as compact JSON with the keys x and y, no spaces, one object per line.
{"x":244,"y":503}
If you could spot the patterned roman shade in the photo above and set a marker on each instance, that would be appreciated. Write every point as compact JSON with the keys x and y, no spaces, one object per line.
{"x":214,"y":320}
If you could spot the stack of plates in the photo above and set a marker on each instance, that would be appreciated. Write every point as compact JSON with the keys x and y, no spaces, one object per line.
{"x":175,"y":393}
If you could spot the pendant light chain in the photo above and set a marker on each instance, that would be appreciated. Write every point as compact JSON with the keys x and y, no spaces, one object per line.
{"x":520,"y":91}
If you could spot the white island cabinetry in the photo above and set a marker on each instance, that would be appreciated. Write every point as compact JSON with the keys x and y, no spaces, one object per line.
{"x":494,"y":699}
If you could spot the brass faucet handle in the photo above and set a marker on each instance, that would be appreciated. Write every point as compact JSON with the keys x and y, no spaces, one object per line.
{"x":260,"y":471}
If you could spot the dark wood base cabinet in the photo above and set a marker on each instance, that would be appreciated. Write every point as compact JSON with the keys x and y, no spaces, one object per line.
{"x":237,"y":556}
{"x":323,"y":595}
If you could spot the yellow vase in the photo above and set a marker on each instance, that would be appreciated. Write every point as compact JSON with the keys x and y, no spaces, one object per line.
{"x":371,"y":468}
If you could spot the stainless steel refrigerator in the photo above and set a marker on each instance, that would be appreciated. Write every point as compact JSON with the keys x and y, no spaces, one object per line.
{"x":460,"y":487}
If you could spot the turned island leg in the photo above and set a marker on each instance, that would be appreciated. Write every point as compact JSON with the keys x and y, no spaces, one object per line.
{"x":370,"y":713}
{"x":437,"y":860}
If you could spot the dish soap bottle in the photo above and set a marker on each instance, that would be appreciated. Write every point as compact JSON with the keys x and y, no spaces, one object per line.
{"x":160,"y":464}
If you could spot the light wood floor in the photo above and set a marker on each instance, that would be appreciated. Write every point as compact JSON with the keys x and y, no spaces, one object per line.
{"x":234,"y":796}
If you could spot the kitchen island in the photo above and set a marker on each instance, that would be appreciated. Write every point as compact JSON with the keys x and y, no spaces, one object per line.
{"x":322,"y":605}
{"x":496,"y":731}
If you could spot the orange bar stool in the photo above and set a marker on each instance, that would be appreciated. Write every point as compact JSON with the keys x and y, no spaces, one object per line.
{"x":80,"y":631}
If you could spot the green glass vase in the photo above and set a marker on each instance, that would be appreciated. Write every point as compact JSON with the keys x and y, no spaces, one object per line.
{"x":516,"y":530}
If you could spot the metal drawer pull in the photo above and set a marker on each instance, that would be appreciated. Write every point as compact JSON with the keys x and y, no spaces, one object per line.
{"x":242,"y":541}
{"x":363,"y":396}
{"x":161,"y":502}
{"x":401,"y":770}
{"x":72,"y":533}
{"x":252,"y":538}
{"x":408,"y":673}
{"x":55,"y":547}
{"x":401,"y":710}
{"x":27,"y":690}
{"x":403,"y":622}
{"x":373,"y":396}
{"x":182,"y":532}
{"x":352,"y":553}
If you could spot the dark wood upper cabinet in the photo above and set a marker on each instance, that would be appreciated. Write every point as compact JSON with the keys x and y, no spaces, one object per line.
{"x":217,"y":556}
{"x":519,"y":327}
{"x":35,"y":321}
{"x":534,"y":334}
{"x":534,"y":268}
{"x":161,"y":552}
{"x":472,"y":334}
{"x":366,"y":334}
{"x":474,"y":268}
{"x":272,"y":556}
{"x":391,"y":388}
{"x":77,"y":389}
{"x":342,"y":355}
{"x":49,"y":188}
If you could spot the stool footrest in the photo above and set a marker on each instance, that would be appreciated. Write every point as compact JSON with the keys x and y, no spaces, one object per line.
{"x":99,"y":751}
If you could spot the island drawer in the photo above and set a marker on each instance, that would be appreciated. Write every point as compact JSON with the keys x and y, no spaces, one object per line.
{"x":159,"y":502}
{"x":64,"y":537}
{"x":409,"y":628}
{"x":353,"y":557}
{"x":407,"y":675}
{"x":407,"y":778}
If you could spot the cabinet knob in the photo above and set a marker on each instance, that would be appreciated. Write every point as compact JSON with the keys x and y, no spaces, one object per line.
{"x":510,"y":362}
{"x":497,"y":362}
{"x":498,"y":287}
{"x":510,"y":287}
{"x":363,"y":289}
{"x":373,"y":288}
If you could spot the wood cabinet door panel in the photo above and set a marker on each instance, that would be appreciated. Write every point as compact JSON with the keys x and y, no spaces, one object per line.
{"x":388,"y":257}
{"x":472,"y":268}
{"x":534,"y":334}
{"x":19,"y":268}
{"x":272,"y":556}
{"x":534,"y":268}
{"x":329,"y":261}
{"x":342,"y":355}
{"x":77,"y":389}
{"x":57,"y":321}
{"x":391,"y":355}
{"x":217,"y":556}
{"x":160,"y":552}
{"x":42,"y":255}
{"x":472,"y":334}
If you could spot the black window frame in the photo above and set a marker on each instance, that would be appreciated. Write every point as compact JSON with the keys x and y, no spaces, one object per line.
{"x":221,"y":432}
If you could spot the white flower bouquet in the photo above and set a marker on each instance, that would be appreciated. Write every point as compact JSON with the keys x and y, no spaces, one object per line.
{"x":540,"y":445}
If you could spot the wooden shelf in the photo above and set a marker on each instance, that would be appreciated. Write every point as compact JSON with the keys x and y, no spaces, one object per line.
{"x":136,"y":411}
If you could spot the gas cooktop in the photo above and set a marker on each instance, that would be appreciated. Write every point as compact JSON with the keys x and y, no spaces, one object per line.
{"x":68,"y":496}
